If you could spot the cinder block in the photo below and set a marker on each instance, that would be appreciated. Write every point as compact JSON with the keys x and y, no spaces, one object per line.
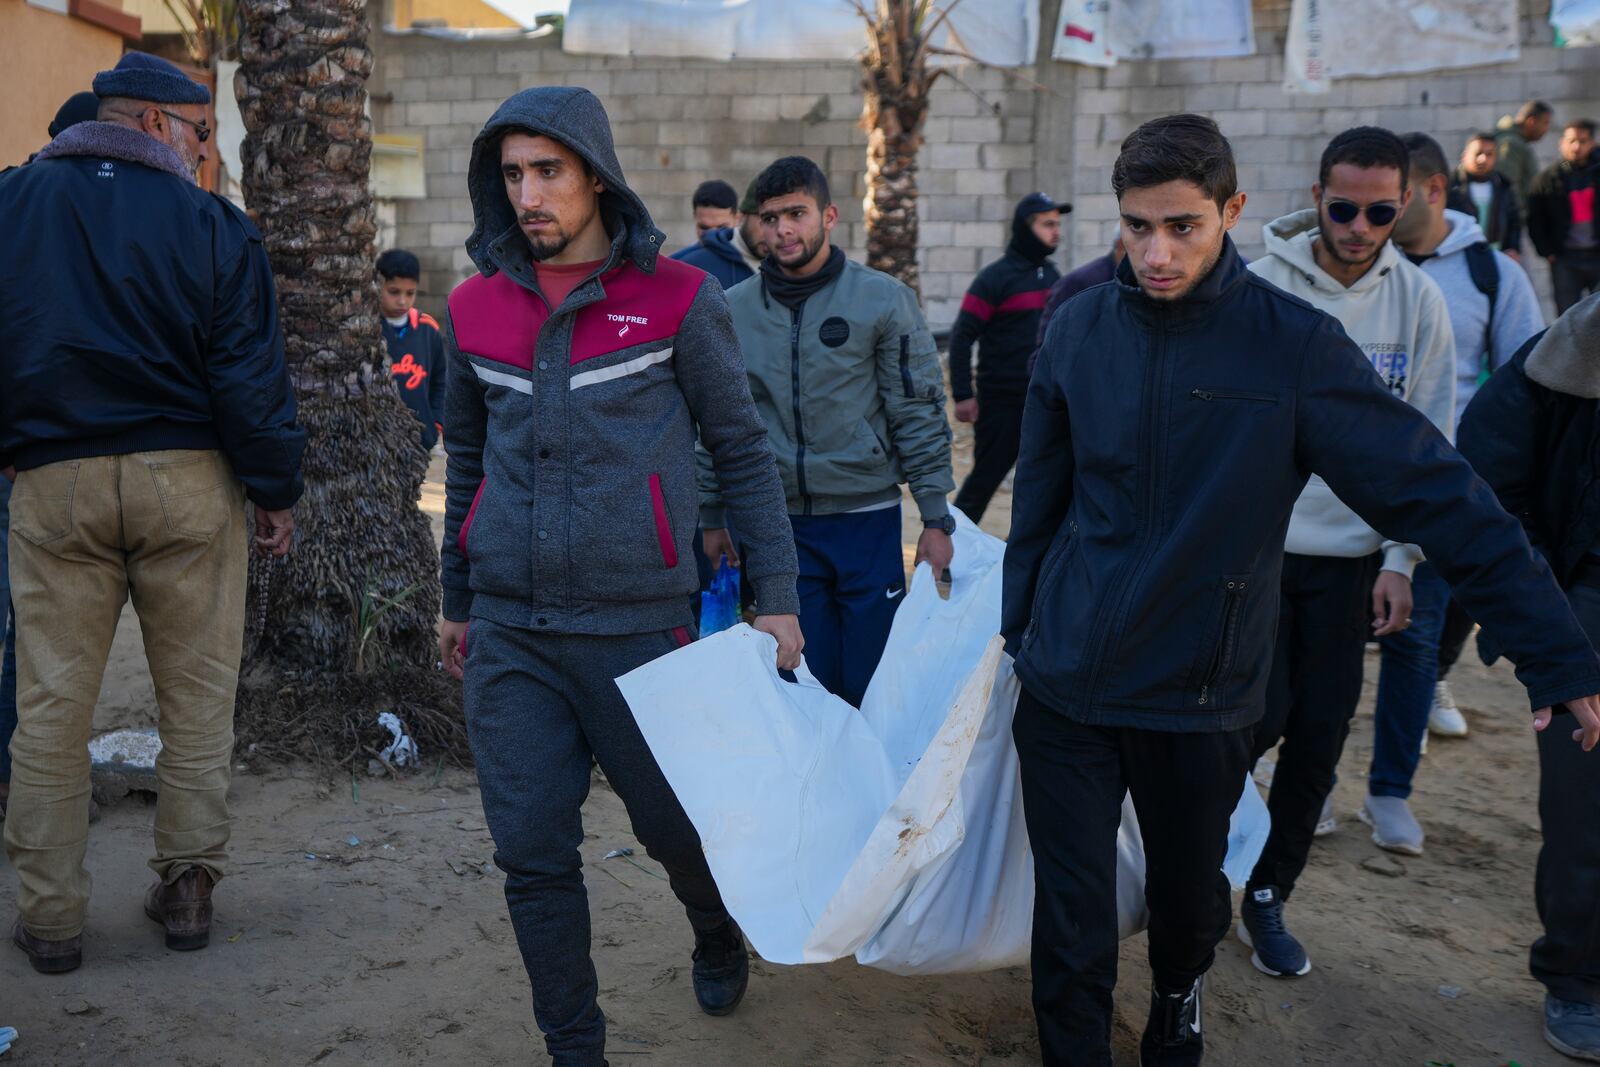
{"x":495,"y":86}
{"x":1132,"y":74}
{"x":975,"y":131}
{"x":1208,"y":98}
{"x":1103,"y":101}
{"x":755,"y":108}
{"x":511,"y":59}
{"x":1269,"y":96}
{"x":448,"y":135}
{"x":474,"y":112}
{"x":934,"y":182}
{"x":730,"y":81}
{"x":957,"y":260}
{"x":1378,"y":92}
{"x":952,"y":209}
{"x":477,"y":57}
{"x":430,"y":64}
{"x":597,"y":82}
{"x":634,"y":82}
{"x":1291,"y":175}
{"x":1244,"y":69}
{"x":706,"y":108}
{"x":1186,"y":72}
{"x":996,"y":207}
{"x":1094,"y":207}
{"x":682,"y":81}
{"x":427,"y":114}
{"x":1008,"y":155}
{"x":635,"y":133}
{"x":655,"y":107}
{"x":981,"y":182}
{"x":1242,"y":123}
{"x":1155,"y":101}
{"x":973,"y":234}
{"x":442,"y":234}
{"x":840,"y":134}
{"x":1017,"y":131}
{"x":945,"y":156}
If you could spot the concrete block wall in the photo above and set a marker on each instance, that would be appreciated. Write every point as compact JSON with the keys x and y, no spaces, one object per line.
{"x":990,"y":138}
{"x":679,"y":122}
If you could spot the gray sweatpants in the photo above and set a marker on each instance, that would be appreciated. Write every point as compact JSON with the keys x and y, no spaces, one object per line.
{"x":538,"y":705}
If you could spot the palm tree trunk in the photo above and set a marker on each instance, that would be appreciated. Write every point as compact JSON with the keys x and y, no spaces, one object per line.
{"x":891,"y":203}
{"x":361,"y":539}
{"x":894,"y":95}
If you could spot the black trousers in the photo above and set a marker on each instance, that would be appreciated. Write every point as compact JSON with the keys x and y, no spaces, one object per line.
{"x":1311,"y":697}
{"x":1567,"y":880}
{"x":1453,"y":638}
{"x":1573,"y":275}
{"x":994,"y":453}
{"x":1185,"y":787}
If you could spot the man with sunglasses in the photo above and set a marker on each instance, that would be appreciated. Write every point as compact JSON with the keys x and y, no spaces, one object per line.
{"x":1338,"y":258}
{"x":146,"y":401}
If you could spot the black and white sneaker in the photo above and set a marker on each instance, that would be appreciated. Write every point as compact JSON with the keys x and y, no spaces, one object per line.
{"x":1261,"y":927}
{"x":1172,"y":1036}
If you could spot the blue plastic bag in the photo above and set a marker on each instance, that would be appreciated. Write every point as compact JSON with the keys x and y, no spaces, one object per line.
{"x":719,"y":605}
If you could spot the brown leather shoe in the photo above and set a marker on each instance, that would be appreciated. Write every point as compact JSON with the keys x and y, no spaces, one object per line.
{"x":183,"y":906}
{"x":49,"y":957}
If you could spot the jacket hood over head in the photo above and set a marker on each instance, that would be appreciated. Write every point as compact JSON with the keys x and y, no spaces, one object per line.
{"x":577,"y":119}
{"x":1289,"y":239}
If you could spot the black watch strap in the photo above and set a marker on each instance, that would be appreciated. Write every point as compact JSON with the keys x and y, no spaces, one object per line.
{"x":946,"y":523}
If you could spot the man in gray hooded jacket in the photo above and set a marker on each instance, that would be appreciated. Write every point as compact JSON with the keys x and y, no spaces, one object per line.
{"x":580,"y":363}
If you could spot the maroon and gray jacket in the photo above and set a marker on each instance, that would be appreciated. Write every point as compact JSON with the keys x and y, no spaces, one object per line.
{"x":571,"y":496}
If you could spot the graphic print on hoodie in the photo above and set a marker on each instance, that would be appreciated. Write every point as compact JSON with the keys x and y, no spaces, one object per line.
{"x":1399,"y":319}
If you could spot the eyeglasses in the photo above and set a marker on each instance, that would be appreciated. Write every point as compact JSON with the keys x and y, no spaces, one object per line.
{"x":1344,"y":212}
{"x":201,"y":130}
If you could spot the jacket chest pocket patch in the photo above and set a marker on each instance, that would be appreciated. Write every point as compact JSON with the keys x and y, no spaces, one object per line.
{"x":833,"y":332}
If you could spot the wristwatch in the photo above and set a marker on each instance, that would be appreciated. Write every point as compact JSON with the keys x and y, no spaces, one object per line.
{"x":946,"y":523}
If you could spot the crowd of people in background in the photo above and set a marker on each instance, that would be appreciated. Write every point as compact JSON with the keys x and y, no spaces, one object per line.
{"x":1230,"y":477}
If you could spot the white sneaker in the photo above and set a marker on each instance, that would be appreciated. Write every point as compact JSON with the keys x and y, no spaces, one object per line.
{"x":1327,"y":822}
{"x":1444,"y":718}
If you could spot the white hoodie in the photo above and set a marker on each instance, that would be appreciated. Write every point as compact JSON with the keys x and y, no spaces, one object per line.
{"x":1399,"y":318}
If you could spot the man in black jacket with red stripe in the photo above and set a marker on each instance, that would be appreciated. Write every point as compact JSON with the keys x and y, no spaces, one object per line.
{"x":1002,"y":307}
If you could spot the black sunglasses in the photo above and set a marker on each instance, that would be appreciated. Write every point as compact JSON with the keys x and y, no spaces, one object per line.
{"x":202,"y":131}
{"x":1344,"y":212}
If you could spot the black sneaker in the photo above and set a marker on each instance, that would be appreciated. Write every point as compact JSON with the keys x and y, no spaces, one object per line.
{"x":721,"y":969}
{"x":1172,"y":1036}
{"x":1261,"y":927}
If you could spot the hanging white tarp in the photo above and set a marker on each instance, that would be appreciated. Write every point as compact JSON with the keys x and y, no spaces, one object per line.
{"x":1004,"y":33}
{"x":1100,"y":32}
{"x":1368,"y":38}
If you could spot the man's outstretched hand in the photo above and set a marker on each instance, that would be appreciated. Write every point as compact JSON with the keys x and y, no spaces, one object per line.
{"x":786,"y":628}
{"x":1586,"y":710}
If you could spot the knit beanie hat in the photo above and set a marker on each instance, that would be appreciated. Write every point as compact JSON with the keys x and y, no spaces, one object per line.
{"x":140,"y":76}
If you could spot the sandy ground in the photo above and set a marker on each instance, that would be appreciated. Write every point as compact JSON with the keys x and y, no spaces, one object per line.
{"x":364,"y":924}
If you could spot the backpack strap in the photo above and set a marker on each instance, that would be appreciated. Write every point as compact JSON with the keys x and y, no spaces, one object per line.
{"x":1486,"y":277}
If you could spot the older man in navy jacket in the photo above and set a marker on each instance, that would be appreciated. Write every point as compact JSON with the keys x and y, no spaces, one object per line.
{"x":146,"y":399}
